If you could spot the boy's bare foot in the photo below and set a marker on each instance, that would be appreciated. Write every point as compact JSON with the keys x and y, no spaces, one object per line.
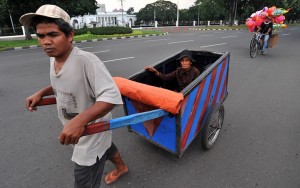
{"x":115,"y":174}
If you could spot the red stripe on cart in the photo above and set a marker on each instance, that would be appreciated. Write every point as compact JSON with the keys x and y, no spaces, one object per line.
{"x":188,"y":127}
{"x":219,"y":82}
{"x":214,"y":73}
{"x":190,"y":122}
{"x":224,"y":86}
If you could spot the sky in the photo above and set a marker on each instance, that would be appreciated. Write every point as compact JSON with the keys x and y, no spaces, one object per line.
{"x":138,"y":4}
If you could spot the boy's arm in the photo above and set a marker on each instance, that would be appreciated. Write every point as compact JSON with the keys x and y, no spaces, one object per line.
{"x":75,"y":127}
{"x":259,"y":28}
{"x":269,"y":30}
{"x":34,"y":99}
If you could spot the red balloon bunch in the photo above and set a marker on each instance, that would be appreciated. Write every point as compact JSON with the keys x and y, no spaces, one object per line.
{"x":276,"y":15}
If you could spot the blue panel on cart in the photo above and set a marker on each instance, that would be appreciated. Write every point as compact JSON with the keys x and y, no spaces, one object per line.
{"x":165,"y":133}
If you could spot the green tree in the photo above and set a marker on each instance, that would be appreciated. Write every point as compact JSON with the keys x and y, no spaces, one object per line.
{"x":20,"y":7}
{"x":184,"y":17}
{"x":241,"y":9}
{"x":3,"y":13}
{"x":146,"y":14}
{"x":209,"y":10}
{"x":130,"y":11}
{"x":162,"y":11}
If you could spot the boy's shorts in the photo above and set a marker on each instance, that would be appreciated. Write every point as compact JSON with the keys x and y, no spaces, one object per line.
{"x":90,"y":176}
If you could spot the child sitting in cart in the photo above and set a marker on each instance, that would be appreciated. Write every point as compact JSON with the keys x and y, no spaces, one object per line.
{"x":184,"y":75}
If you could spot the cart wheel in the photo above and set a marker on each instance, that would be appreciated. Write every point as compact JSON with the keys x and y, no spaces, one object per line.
{"x":212,"y":127}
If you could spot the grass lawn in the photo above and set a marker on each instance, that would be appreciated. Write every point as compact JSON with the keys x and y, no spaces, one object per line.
{"x":26,"y":43}
{"x":17,"y":43}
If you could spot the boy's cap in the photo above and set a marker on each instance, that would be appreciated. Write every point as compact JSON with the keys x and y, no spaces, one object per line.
{"x":51,"y":11}
{"x":187,"y":54}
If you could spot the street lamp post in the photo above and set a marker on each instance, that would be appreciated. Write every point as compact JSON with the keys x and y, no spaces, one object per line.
{"x":177,"y":22}
{"x":235,"y":10}
{"x":11,"y":20}
{"x":122,"y":12}
{"x":199,"y":12}
{"x":154,"y":14}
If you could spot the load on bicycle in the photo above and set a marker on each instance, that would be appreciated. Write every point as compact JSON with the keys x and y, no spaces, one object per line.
{"x":262,"y":23}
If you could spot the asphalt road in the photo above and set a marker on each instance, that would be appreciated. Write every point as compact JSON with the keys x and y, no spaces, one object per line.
{"x":259,"y":145}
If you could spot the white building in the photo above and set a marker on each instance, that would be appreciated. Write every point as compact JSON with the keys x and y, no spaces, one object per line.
{"x":103,"y":18}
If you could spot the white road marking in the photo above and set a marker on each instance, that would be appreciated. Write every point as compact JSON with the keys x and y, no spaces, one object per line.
{"x":155,"y":40}
{"x":186,"y":35}
{"x":213,"y":45}
{"x":181,"y":42}
{"x":286,"y":34}
{"x":228,"y":37}
{"x":138,"y":39}
{"x":100,"y":51}
{"x":118,"y":59}
{"x":86,"y":47}
{"x":205,"y":35}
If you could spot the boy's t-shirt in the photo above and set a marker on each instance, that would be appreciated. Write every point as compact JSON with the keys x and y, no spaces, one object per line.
{"x":81,"y":82}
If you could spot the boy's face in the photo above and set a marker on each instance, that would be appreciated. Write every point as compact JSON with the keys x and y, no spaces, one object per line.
{"x":53,"y":41}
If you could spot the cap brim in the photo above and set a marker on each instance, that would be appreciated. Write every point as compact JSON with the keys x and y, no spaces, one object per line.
{"x":27,"y":18}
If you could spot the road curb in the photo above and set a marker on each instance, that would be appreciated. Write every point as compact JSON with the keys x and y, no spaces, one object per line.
{"x":198,"y":29}
{"x":84,"y":41}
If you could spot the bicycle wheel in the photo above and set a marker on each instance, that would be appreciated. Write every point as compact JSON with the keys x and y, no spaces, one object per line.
{"x":253,"y":48}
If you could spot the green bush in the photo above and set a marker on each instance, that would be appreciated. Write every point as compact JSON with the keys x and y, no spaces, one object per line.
{"x":81,"y":31}
{"x":10,"y":32}
{"x":104,"y":30}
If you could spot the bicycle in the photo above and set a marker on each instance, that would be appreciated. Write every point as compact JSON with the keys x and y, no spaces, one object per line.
{"x":256,"y":45}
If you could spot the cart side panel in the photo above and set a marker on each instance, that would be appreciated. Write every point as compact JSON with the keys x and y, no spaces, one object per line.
{"x":160,"y":131}
{"x":211,"y":90}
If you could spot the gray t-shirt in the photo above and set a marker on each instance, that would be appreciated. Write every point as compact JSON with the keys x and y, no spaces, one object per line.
{"x":81,"y":82}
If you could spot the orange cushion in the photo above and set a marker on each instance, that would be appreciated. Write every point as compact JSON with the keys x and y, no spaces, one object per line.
{"x":158,"y":97}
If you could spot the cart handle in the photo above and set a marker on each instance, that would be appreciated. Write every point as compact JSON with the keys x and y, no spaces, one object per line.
{"x":47,"y":101}
{"x":114,"y":123}
{"x":124,"y":121}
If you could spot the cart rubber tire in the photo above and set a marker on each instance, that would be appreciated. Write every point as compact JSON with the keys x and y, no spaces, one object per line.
{"x":253,"y":48}
{"x":213,"y":126}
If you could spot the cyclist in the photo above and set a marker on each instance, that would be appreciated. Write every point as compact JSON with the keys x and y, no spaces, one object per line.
{"x":266,"y":28}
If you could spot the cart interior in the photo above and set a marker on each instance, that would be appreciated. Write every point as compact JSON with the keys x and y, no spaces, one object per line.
{"x":203,"y":60}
